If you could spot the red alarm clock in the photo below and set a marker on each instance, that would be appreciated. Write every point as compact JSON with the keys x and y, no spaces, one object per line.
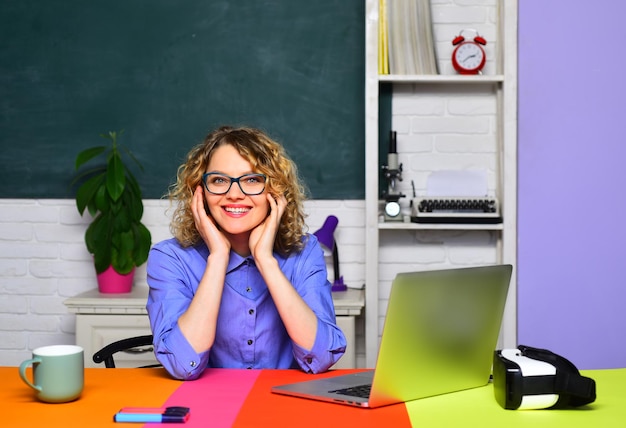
{"x":469,"y":56}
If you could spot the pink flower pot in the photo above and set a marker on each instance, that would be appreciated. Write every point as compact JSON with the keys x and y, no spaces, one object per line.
{"x":110,"y":281}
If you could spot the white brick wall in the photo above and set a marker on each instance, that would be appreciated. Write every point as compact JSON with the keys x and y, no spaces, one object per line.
{"x":43,"y":261}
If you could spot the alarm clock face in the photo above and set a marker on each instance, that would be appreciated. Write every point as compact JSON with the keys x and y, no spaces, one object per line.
{"x":469,"y":57}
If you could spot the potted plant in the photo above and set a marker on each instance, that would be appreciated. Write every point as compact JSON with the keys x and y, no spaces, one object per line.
{"x":116,"y":237}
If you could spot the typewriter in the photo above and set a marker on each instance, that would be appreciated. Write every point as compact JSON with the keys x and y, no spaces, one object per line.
{"x":475,"y":210}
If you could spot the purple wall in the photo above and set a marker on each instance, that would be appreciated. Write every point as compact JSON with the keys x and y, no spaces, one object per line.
{"x":572,"y":174}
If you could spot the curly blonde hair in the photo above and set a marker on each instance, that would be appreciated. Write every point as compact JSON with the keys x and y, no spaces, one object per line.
{"x":266,"y":156}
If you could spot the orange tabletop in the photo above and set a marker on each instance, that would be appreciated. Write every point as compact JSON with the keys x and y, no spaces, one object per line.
{"x":242,"y":398}
{"x":105,"y":392}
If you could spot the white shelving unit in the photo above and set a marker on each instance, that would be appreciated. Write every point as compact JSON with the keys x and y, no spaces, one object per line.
{"x":502,"y":85}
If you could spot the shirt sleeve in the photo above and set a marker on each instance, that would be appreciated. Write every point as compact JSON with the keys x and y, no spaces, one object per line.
{"x":170,"y":295}
{"x":310,"y":278}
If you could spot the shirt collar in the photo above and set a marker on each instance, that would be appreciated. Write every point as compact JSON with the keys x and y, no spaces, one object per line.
{"x":235,"y":260}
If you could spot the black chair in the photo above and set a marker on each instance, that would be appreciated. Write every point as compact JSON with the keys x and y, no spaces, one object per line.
{"x":131,"y":344}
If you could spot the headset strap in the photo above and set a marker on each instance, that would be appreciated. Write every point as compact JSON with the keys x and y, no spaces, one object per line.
{"x":573,"y":389}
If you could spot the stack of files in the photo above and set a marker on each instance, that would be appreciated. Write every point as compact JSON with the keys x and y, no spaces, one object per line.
{"x":406,"y":43}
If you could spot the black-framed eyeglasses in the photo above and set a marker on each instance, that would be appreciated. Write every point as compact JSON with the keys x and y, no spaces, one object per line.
{"x":219,"y":184}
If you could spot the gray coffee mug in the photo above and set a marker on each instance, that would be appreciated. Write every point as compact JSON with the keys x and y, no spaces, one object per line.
{"x":58,"y":373}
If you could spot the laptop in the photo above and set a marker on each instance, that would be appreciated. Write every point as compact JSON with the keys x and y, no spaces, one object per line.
{"x":439,"y":336}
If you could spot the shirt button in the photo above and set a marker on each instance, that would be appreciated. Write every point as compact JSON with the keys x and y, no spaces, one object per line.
{"x":250,"y":341}
{"x":309,"y":360}
{"x":192,"y":363}
{"x":251,"y":311}
{"x":248,"y":289}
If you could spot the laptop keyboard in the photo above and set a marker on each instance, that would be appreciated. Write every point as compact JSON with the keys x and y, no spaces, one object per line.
{"x":362,"y":391}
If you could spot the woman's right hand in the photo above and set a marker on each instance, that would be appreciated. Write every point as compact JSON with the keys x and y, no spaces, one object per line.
{"x":211,"y":235}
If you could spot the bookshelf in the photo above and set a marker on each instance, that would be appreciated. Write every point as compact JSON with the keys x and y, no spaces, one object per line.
{"x":497,"y":90}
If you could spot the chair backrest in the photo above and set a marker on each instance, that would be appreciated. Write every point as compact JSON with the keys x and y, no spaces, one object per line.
{"x":106,"y":354}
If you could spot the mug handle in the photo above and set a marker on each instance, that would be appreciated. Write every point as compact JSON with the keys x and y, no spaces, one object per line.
{"x":23,"y":367}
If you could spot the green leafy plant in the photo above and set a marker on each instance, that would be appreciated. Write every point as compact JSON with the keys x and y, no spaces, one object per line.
{"x":109,"y":191}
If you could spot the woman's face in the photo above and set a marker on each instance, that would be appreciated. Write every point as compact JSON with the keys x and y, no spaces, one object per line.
{"x":235,"y":212}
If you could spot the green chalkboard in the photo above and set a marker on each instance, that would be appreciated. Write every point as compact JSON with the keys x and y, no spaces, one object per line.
{"x":168,"y":72}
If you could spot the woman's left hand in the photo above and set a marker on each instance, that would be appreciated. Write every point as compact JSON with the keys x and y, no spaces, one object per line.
{"x":263,"y":236}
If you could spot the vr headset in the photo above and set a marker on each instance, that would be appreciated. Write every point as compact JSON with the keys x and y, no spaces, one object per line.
{"x":532,"y":378}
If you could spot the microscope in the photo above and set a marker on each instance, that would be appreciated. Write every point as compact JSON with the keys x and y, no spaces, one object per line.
{"x":393,"y":174}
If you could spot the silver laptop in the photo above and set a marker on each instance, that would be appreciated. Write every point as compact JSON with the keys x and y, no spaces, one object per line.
{"x":439,"y":336}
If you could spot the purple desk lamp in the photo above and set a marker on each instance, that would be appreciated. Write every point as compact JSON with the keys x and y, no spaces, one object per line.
{"x":327,"y":239}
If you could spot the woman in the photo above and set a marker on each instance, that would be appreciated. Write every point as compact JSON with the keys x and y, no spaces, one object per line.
{"x":241,"y":285}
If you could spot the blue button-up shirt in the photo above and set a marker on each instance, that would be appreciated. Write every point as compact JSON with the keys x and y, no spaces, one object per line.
{"x":250,"y":332}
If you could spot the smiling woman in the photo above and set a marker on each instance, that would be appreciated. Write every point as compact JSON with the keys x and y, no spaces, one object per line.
{"x":242,"y":285}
